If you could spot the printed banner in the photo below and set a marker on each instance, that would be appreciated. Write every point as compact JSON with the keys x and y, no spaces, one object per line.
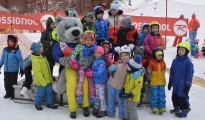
{"x":26,"y":22}
{"x":174,"y":26}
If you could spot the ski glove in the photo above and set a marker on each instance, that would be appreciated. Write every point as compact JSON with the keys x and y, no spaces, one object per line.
{"x":186,"y":90}
{"x":73,"y":64}
{"x":127,"y":95}
{"x":122,"y":92}
{"x":170,"y":85}
{"x":89,"y":73}
{"x":21,"y":73}
{"x":113,"y":68}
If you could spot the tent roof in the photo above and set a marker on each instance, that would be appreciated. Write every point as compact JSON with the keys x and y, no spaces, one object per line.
{"x":2,"y":9}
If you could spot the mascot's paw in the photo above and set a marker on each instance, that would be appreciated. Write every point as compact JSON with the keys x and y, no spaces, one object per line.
{"x":79,"y":99}
{"x":92,"y":100}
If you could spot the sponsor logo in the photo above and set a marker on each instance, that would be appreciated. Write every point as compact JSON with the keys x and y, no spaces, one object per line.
{"x":180,"y":27}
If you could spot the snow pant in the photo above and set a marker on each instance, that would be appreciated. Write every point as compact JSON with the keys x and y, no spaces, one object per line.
{"x":81,"y":78}
{"x":10,"y":79}
{"x":112,"y":95}
{"x":71,"y":84}
{"x":28,"y":77}
{"x":100,"y":103}
{"x":157,"y":97}
{"x":192,"y":36}
{"x":44,"y":92}
{"x":51,"y":62}
{"x":177,"y":40}
{"x":131,"y":110}
{"x":182,"y":102}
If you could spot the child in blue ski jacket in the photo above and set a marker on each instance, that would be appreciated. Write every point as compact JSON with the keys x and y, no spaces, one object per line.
{"x":181,"y":74}
{"x":13,"y":61}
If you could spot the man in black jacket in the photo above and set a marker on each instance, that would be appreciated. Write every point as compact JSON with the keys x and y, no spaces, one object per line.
{"x":48,"y":41}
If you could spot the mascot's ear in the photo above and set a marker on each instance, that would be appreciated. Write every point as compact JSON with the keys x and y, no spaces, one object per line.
{"x":58,"y":19}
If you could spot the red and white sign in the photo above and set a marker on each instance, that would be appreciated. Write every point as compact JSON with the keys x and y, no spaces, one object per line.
{"x":174,"y":26}
{"x":26,"y":22}
{"x":169,"y":26}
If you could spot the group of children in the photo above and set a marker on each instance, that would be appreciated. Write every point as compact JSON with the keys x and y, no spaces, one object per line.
{"x":137,"y":59}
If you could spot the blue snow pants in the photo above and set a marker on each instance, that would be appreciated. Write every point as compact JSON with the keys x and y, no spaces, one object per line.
{"x":112,"y":95}
{"x":44,"y":92}
{"x":157,"y":97}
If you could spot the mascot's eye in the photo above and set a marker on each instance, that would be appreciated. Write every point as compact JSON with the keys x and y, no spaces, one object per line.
{"x":75,"y":24}
{"x":66,"y":27}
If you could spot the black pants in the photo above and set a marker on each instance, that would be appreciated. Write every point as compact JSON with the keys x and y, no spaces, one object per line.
{"x":10,"y":79}
{"x":28,"y":77}
{"x":61,"y":67}
{"x":51,"y":62}
{"x":180,"y":101}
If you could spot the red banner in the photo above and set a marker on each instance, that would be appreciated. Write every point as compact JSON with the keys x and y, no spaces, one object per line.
{"x":26,"y":22}
{"x":174,"y":26}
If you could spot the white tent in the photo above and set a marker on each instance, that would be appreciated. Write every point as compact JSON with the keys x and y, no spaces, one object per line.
{"x":2,"y":9}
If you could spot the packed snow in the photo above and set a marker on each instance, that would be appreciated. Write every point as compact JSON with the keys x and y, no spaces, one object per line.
{"x":16,"y":111}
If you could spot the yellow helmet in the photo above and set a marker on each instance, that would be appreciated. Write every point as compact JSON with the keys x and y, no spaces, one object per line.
{"x":154,"y":23}
{"x":185,"y":45}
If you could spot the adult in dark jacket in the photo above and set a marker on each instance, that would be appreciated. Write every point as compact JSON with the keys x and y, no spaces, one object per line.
{"x":127,"y":33}
{"x":48,"y":41}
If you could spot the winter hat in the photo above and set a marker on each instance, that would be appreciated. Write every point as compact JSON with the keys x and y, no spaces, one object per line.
{"x":193,"y":15}
{"x":125,"y":48}
{"x":88,"y":33}
{"x":114,"y":5}
{"x":181,"y":16}
{"x":139,"y":51}
{"x":126,"y":21}
{"x":35,"y":47}
{"x":90,"y":15}
{"x":100,"y":50}
{"x":98,"y":9}
{"x":107,"y":44}
{"x":135,"y":64}
{"x":14,"y":39}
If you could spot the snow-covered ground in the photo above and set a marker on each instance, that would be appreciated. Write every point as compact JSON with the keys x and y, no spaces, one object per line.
{"x":10,"y":110}
{"x":15,"y":111}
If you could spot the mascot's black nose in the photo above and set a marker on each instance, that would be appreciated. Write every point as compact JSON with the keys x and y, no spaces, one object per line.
{"x":76,"y":33}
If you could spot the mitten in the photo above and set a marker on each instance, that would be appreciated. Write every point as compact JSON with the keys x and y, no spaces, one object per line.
{"x":89,"y":73}
{"x":73,"y":64}
{"x":186,"y":90}
{"x":170,"y":85}
{"x":127,"y":95}
{"x":21,"y":73}
{"x":113,"y":68}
